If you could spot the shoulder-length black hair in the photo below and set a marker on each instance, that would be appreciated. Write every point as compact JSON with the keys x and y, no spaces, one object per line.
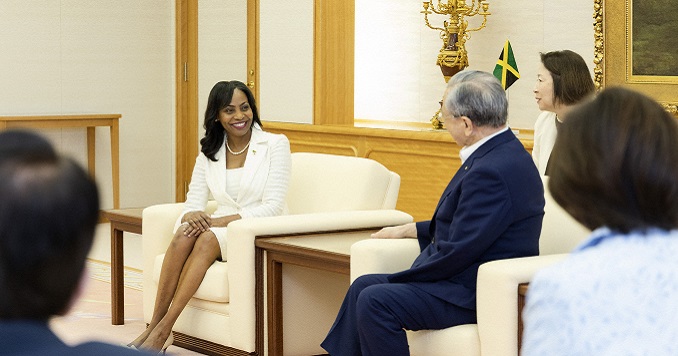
{"x":572,"y":80}
{"x":220,"y":97}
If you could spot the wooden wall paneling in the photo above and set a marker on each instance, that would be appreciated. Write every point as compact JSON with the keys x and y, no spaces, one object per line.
{"x":334,"y":62}
{"x":186,"y":71}
{"x":425,"y":169}
{"x":253,"y":46}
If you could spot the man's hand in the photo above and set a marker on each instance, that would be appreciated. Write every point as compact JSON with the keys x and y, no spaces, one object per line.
{"x":397,"y":232}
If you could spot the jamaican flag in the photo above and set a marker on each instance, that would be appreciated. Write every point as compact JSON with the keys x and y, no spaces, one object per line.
{"x":506,"y":69}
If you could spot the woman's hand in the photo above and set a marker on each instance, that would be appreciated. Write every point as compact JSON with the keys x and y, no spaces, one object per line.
{"x":397,"y":232}
{"x":196,"y":222}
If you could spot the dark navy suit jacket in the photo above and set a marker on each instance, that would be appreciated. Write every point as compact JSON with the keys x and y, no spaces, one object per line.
{"x":492,"y":209}
{"x":35,"y":338}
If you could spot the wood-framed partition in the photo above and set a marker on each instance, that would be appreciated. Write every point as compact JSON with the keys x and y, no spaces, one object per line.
{"x":186,"y":80}
{"x":333,"y":72}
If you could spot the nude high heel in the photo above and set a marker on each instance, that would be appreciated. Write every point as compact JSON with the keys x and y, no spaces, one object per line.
{"x":168,"y":342}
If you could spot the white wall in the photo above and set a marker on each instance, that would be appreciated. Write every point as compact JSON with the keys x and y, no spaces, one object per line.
{"x":67,"y":56}
{"x":396,"y":77}
{"x":222,"y":47}
{"x":97,"y":56}
{"x":286,"y":60}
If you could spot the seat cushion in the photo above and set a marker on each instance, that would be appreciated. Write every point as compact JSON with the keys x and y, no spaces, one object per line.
{"x":214,"y":286}
{"x":459,"y":340}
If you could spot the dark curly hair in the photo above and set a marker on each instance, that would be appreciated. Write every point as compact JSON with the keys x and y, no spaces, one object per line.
{"x":220,"y":97}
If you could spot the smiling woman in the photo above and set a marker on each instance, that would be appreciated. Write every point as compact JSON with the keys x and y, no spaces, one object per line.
{"x":237,"y":181}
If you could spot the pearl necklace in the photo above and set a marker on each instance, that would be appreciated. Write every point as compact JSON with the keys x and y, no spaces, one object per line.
{"x":239,"y":152}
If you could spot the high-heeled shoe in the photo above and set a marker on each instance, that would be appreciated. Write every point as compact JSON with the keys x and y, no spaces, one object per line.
{"x":168,"y":342}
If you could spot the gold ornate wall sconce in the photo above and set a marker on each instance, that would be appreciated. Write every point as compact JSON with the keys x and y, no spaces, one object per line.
{"x":454,"y":33}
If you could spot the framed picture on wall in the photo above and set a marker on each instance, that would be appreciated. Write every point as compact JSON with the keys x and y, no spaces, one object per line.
{"x":636,"y":47}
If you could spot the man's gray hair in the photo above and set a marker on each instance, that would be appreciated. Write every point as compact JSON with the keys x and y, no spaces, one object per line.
{"x":478,"y":96}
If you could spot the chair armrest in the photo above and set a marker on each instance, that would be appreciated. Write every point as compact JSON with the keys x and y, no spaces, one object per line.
{"x":157,"y":231}
{"x":497,"y":300}
{"x":382,"y":256}
{"x":241,"y":253}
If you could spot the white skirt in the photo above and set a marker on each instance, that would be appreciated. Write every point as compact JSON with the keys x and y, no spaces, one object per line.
{"x":219,"y":232}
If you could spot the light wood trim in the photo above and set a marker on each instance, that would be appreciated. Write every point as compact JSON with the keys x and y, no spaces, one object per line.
{"x":253,"y":46}
{"x":334,"y":62}
{"x":186,"y":94}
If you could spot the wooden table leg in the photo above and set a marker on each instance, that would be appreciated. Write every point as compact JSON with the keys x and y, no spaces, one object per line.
{"x":275,"y":317}
{"x":91,"y":151}
{"x":117,"y":277}
{"x":115,"y":163}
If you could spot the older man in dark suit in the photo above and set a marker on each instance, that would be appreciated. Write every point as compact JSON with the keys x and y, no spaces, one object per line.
{"x":491,"y":209}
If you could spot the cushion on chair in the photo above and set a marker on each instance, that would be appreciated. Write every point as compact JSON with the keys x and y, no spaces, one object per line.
{"x":560,"y":233}
{"x":214,"y":286}
{"x":459,"y":340}
{"x":343,"y":182}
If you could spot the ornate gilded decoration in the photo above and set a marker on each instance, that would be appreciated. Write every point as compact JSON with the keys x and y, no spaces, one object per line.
{"x":454,"y":33}
{"x":612,"y":19}
{"x":599,"y":43}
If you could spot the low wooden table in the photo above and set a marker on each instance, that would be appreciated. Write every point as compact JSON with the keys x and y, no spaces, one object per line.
{"x":121,"y":220}
{"x":322,"y":251}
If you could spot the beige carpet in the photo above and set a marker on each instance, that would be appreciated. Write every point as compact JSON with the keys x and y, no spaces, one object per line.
{"x":90,"y":317}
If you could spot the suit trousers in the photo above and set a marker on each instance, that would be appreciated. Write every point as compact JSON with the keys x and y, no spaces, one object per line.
{"x":375,"y":313}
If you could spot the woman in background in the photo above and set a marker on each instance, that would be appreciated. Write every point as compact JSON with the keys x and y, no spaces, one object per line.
{"x":247,"y":172}
{"x":614,"y":168}
{"x":563,"y":80}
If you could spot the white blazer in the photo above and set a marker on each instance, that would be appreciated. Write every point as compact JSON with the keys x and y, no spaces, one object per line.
{"x":545,"y":133}
{"x":264,"y":183}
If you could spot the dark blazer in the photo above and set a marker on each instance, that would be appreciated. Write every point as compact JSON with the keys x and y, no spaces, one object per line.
{"x":35,"y":338}
{"x":492,"y":209}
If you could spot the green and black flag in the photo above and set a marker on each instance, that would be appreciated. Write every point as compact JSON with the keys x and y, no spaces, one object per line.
{"x":506,"y":69}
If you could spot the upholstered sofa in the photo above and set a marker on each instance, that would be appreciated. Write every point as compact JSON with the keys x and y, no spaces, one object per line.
{"x":496,"y":333}
{"x":326,"y":193}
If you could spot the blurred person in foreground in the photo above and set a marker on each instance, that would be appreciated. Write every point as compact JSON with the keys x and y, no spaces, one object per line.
{"x":615,"y":170}
{"x":49,"y":208}
{"x":491,"y":209}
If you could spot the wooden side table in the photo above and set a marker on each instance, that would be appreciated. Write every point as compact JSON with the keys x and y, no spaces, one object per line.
{"x":87,"y":121}
{"x":322,"y":251}
{"x":121,"y":220}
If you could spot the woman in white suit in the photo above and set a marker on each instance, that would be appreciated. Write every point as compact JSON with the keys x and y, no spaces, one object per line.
{"x":246,"y":170}
{"x":563,"y":80}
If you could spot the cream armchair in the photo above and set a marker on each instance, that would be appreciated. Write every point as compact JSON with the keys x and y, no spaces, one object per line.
{"x":496,"y":333}
{"x":326,"y":193}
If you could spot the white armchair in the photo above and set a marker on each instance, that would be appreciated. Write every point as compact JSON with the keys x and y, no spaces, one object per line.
{"x":496,"y":333}
{"x":326,"y":193}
